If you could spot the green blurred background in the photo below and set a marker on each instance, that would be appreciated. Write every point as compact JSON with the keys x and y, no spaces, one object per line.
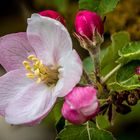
{"x":13,"y":17}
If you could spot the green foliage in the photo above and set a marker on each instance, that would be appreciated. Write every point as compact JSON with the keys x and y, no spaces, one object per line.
{"x":119,"y":40}
{"x":126,"y":79}
{"x":129,"y":52}
{"x":80,"y":132}
{"x":91,"y":5}
{"x":102,"y":121}
{"x":88,"y":65}
{"x":110,"y":55}
{"x":100,"y":6}
{"x":60,"y":5}
{"x":57,"y":111}
{"x":120,"y":51}
{"x":55,"y":115}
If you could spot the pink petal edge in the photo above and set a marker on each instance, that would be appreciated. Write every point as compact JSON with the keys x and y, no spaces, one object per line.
{"x":14,"y":49}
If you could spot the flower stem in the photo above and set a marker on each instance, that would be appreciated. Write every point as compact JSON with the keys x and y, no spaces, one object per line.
{"x":89,"y":137}
{"x":95,"y":55}
{"x":110,"y":73}
{"x":87,"y":77}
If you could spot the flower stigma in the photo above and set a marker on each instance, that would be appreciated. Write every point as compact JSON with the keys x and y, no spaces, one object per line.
{"x":40,"y":72}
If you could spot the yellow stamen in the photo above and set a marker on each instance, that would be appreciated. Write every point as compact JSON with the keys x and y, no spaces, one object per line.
{"x":37,"y":70}
{"x":30,"y":57}
{"x":35,"y":59}
{"x":27,"y":65}
{"x":38,"y":80}
{"x":30,"y":75}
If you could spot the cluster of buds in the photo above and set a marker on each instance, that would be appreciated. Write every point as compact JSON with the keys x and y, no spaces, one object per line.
{"x":122,"y":101}
{"x":131,"y":98}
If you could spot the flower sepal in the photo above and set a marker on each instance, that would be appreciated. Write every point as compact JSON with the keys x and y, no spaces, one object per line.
{"x":88,"y":44}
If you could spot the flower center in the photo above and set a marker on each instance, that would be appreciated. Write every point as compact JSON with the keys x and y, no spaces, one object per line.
{"x":40,"y":72}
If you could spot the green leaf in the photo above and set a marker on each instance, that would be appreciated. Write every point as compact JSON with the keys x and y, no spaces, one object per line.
{"x":88,"y":65}
{"x":102,"y":121}
{"x":120,"y":87}
{"x":119,"y":40}
{"x":126,"y":79}
{"x":109,"y":55}
{"x":129,"y":52}
{"x":80,"y":132}
{"x":57,"y":111}
{"x":55,"y":115}
{"x":100,"y":6}
{"x":91,"y":5}
{"x":106,"y":6}
{"x":60,"y":5}
{"x":60,"y":125}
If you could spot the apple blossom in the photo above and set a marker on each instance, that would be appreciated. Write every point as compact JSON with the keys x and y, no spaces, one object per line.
{"x":80,"y":105}
{"x":41,"y":66}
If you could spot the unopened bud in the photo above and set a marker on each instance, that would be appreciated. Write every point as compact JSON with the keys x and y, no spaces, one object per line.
{"x":119,"y":97}
{"x":87,"y":23}
{"x":53,"y":14}
{"x":132,"y":99}
{"x":80,"y":105}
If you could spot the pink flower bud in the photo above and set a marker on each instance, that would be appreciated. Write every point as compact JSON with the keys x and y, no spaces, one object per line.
{"x":80,"y":105}
{"x":54,"y":15}
{"x":87,"y":22}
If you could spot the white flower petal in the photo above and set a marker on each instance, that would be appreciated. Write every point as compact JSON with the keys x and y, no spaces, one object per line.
{"x":49,"y":38}
{"x":12,"y":86}
{"x":32,"y":107}
{"x":70,"y":73}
